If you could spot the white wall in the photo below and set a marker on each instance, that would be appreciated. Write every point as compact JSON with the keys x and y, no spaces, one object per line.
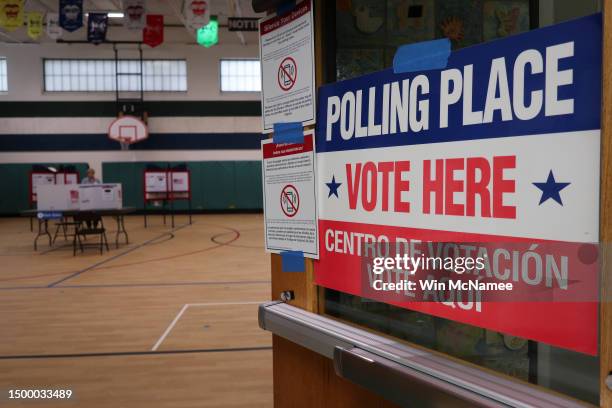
{"x":25,"y":72}
{"x":25,"y":83}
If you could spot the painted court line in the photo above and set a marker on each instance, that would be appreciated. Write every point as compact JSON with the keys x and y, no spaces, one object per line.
{"x":185,"y":307}
{"x":133,"y":353}
{"x":139,"y":285}
{"x":112,"y":258}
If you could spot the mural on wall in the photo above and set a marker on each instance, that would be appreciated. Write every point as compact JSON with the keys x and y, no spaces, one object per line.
{"x":353,"y":62}
{"x":410,"y":21}
{"x":360,"y":22}
{"x":460,"y":21}
{"x":502,"y":18}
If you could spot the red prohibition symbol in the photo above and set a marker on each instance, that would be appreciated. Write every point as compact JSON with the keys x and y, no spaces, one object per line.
{"x":287,"y":73}
{"x":290,"y":200}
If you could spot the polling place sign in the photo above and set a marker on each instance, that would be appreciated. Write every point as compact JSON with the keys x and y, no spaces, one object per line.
{"x":501,"y":145}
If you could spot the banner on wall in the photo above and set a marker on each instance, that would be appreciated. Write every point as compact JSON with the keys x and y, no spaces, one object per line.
{"x":502,"y":145}
{"x":153,"y":33}
{"x":35,"y":24}
{"x":11,"y":14}
{"x":97,"y":24}
{"x":134,"y":12}
{"x":53,"y":30}
{"x":196,"y":13}
{"x":71,"y":14}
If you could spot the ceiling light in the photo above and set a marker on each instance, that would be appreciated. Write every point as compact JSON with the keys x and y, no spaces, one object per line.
{"x":112,"y":14}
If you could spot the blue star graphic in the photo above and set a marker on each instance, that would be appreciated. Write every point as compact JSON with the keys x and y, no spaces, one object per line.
{"x":551,"y":189}
{"x":333,"y":187}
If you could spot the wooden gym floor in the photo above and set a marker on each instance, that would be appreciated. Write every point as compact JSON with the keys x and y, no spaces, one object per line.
{"x":169,"y":320}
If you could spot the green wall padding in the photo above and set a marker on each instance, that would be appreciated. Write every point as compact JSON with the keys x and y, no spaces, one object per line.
{"x":215,"y":185}
{"x":14,"y":197}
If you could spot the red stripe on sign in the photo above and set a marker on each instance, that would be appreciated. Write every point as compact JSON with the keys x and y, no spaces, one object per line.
{"x":569,"y":321}
{"x":272,"y":150}
{"x":276,"y":22}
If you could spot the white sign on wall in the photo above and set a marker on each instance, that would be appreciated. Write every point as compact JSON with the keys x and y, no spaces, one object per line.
{"x":286,"y":50}
{"x":156,"y":182}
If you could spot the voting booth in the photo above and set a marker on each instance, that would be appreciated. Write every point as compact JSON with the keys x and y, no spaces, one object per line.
{"x":52,"y":197}
{"x":41,"y":176}
{"x":162,"y":187}
{"x":79,"y":197}
{"x":100,"y":197}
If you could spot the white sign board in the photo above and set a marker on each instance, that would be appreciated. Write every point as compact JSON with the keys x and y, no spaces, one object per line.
{"x":180,"y":181}
{"x":41,"y":179}
{"x":286,"y":50}
{"x":290,"y":209}
{"x":100,"y":196}
{"x":57,"y":197}
{"x":156,"y":182}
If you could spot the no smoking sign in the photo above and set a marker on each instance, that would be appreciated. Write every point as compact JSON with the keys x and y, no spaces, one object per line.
{"x":287,"y":73}
{"x":290,"y":200}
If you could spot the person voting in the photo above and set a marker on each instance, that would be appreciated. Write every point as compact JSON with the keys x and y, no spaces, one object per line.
{"x":91,"y":177}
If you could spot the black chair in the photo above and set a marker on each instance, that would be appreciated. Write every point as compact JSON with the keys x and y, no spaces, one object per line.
{"x":64,"y":225}
{"x":89,"y":224}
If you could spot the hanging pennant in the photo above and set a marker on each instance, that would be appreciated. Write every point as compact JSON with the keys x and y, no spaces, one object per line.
{"x":11,"y":14}
{"x":97,"y":24}
{"x":54,"y":31}
{"x":71,"y":14}
{"x":196,"y":13}
{"x":153,"y":33}
{"x":209,"y":34}
{"x":35,"y":24}
{"x":134,"y":12}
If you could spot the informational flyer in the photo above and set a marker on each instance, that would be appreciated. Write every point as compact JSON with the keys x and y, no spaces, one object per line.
{"x":286,"y":49}
{"x":41,"y":179}
{"x":156,"y":182}
{"x":290,"y":209}
{"x":180,"y":181}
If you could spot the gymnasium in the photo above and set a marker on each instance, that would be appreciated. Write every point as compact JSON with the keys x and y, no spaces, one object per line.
{"x":196,"y":196}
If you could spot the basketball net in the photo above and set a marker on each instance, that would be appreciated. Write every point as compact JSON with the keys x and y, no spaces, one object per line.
{"x":124,"y":142}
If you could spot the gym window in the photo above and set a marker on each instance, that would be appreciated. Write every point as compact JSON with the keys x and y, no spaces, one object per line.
{"x":240,"y":75}
{"x":3,"y":76}
{"x":95,"y":75}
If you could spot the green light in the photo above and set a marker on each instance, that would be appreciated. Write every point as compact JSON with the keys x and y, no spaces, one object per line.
{"x":209,"y":34}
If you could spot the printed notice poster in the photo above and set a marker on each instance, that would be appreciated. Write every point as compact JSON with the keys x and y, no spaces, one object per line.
{"x":290,"y":210}
{"x":286,"y":50}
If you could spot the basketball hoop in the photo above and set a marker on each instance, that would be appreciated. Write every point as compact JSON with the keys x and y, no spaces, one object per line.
{"x":127,"y":130}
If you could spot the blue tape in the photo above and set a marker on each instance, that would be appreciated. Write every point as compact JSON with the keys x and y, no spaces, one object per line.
{"x":292,"y":261}
{"x":285,"y":7}
{"x":422,"y":56}
{"x":290,"y":132}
